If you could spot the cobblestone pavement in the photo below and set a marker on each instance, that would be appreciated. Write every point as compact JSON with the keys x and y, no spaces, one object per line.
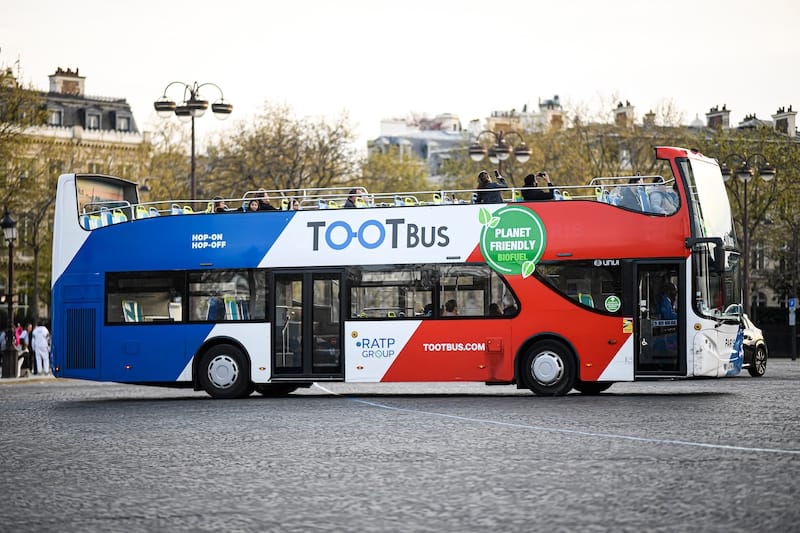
{"x":705,"y":455}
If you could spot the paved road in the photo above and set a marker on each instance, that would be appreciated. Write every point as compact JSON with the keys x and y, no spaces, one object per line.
{"x":709,"y":455}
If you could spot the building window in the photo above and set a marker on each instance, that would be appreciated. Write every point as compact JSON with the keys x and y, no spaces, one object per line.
{"x":55,"y":117}
{"x":124,"y":123}
{"x":758,"y":258}
{"x":92,"y":121}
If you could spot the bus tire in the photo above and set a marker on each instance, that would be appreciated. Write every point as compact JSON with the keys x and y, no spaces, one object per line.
{"x":224,"y":372}
{"x":275,"y":389}
{"x":548,"y":369}
{"x":591,"y":388}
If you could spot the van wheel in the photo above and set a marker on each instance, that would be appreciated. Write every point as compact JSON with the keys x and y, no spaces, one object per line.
{"x":224,"y":372}
{"x":759,"y":365}
{"x":548,"y":369}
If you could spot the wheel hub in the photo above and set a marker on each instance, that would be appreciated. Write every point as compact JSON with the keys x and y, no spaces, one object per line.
{"x":547,"y":368}
{"x":223,"y":371}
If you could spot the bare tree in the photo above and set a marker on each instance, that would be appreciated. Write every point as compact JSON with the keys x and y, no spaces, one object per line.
{"x":278,"y":151}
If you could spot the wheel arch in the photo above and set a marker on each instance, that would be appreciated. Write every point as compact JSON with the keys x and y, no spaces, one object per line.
{"x":211,"y":343}
{"x":539,"y":337}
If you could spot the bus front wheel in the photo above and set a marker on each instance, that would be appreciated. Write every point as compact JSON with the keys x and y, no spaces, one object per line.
{"x":224,"y":372}
{"x":548,"y":369}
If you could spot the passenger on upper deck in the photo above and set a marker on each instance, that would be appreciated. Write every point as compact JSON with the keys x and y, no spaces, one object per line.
{"x":352,"y":197}
{"x":295,"y":204}
{"x":661,"y":199}
{"x":263,"y":201}
{"x":219,"y":205}
{"x":630,"y":196}
{"x":530,"y":190}
{"x":486,"y":193}
{"x":253,"y":205}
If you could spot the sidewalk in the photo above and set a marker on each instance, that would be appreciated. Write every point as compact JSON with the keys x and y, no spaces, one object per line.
{"x":33,"y":378}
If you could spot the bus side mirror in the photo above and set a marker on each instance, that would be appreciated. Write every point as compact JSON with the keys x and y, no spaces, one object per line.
{"x":718,"y":263}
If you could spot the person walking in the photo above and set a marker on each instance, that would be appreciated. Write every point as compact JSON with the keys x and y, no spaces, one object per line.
{"x":41,"y":346}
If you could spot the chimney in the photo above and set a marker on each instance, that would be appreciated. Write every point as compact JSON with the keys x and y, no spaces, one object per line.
{"x":784,"y":120}
{"x":67,"y":82}
{"x":649,"y":119}
{"x":719,"y":119}
{"x":623,"y":115}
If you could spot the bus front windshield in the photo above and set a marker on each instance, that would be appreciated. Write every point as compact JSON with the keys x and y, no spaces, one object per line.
{"x":712,"y":210}
{"x":716,"y":287}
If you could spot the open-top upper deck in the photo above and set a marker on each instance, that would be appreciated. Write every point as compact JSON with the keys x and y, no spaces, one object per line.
{"x":654,"y":195}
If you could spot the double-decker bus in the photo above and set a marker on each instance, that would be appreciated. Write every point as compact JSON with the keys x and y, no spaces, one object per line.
{"x":578,"y":292}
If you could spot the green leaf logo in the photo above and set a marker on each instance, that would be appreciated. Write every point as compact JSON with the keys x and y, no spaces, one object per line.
{"x":484,"y":217}
{"x":513,"y":239}
{"x":527,"y":268}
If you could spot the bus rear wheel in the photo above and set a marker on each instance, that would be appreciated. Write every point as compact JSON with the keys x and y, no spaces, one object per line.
{"x":548,"y":369}
{"x":224,"y":372}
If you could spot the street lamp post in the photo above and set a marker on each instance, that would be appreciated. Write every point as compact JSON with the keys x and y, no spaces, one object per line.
{"x":501,"y":150}
{"x":9,"y":226}
{"x":193,"y":105}
{"x":745,"y":171}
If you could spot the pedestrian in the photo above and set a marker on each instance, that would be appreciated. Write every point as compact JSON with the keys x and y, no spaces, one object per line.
{"x":41,"y":346}
{"x":25,"y":339}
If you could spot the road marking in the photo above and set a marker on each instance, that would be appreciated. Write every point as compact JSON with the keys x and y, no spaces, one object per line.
{"x":566,"y":431}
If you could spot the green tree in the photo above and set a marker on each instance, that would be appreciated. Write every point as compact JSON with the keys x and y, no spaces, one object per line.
{"x":20,"y":108}
{"x":771,"y":218}
{"x":168,"y":170}
{"x":390,"y":172}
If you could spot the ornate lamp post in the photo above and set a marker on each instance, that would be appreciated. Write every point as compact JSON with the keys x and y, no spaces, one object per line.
{"x":501,"y":150}
{"x":746,"y":169}
{"x":9,"y":226}
{"x":193,"y":105}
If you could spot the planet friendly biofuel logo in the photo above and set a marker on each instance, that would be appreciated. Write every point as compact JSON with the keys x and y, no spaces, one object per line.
{"x":512,"y":239}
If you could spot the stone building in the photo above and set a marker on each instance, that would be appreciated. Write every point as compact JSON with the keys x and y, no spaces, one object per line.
{"x":78,"y":132}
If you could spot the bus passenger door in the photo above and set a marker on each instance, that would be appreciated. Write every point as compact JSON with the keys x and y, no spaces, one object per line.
{"x":307,"y":325}
{"x":660,"y":332}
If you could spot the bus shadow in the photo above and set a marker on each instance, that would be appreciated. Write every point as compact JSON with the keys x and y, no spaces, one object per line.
{"x":324,"y":396}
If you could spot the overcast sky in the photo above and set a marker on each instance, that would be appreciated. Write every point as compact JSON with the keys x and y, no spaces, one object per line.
{"x":377,"y":59}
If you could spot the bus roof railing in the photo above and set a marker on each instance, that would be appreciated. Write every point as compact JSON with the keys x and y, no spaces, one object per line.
{"x":604,"y":189}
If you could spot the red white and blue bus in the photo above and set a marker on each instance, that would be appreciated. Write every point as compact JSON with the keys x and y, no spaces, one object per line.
{"x":578,"y":292}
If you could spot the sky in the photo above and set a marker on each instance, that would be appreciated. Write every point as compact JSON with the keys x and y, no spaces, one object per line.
{"x":376,"y":59}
